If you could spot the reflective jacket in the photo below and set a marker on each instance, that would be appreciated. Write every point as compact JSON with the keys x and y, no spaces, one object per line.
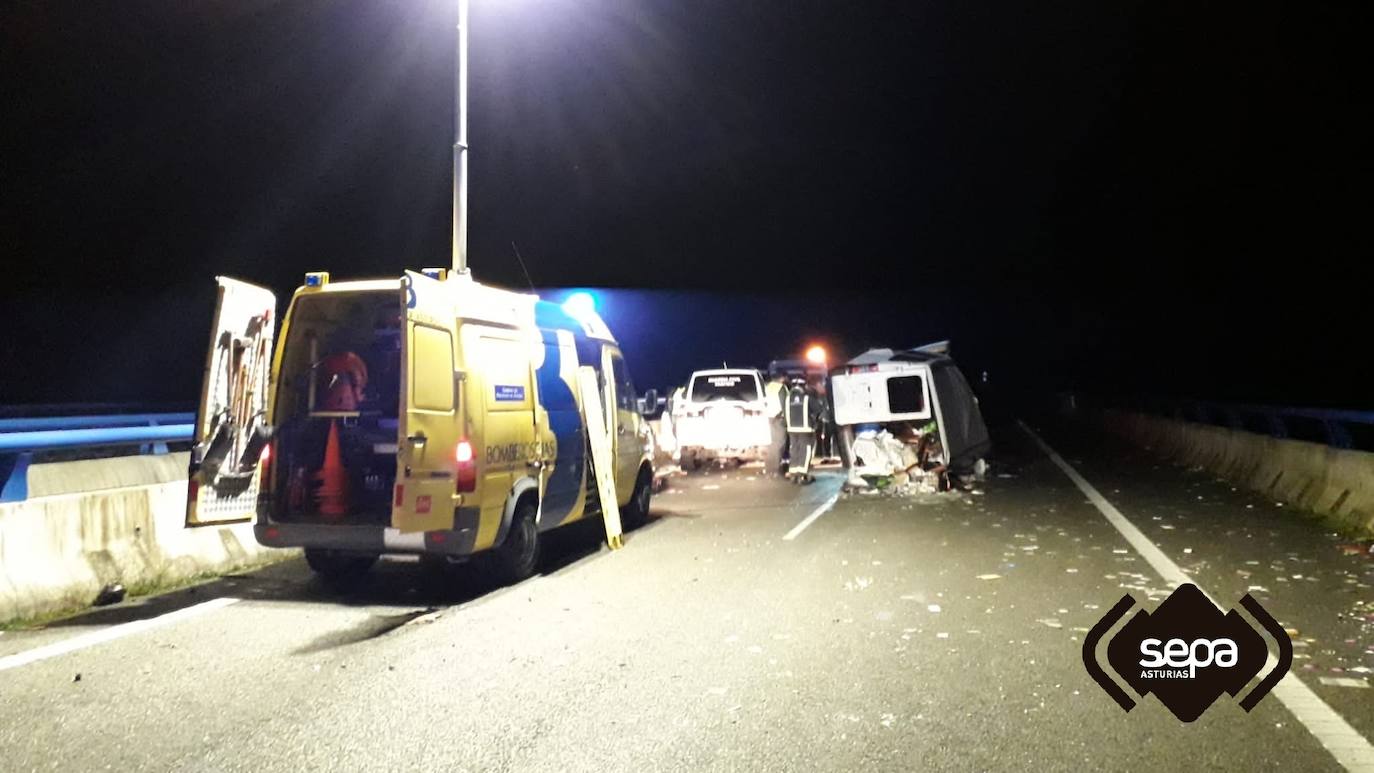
{"x":803,"y":410}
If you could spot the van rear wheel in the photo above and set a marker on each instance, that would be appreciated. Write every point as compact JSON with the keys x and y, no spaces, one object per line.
{"x":337,"y":567}
{"x":518,"y":556}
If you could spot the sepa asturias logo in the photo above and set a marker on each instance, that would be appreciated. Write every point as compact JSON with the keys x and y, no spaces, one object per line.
{"x":1187,"y":652}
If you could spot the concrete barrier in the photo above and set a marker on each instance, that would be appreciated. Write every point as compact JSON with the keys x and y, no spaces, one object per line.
{"x":91,"y":523}
{"x":1333,"y":482}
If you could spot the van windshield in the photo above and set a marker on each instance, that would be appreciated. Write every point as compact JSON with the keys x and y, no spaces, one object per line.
{"x":724,"y":386}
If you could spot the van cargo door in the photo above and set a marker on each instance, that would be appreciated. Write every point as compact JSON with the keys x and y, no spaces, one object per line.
{"x":501,"y":390}
{"x":427,"y":446}
{"x":231,"y":431}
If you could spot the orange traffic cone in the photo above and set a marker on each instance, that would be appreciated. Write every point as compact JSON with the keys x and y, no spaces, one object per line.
{"x":333,"y":491}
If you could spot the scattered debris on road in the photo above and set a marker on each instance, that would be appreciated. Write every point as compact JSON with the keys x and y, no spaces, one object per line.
{"x":858,"y":583}
{"x":1364,"y":549}
{"x":1342,"y":681}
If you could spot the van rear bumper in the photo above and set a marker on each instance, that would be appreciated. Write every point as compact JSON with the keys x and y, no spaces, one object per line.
{"x":365,"y":539}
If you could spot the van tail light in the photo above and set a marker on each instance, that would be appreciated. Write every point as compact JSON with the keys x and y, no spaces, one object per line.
{"x":467,"y":468}
{"x":265,"y":462}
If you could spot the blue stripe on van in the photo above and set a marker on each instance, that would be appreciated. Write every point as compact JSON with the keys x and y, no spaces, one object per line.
{"x":565,"y":418}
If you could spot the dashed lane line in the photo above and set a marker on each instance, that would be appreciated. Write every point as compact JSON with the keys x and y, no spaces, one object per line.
{"x":810,"y":519}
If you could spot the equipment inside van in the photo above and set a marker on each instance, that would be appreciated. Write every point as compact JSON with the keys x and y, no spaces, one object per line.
{"x":428,"y":415}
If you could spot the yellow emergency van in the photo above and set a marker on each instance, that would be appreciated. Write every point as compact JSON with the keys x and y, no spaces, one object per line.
{"x":428,"y":415}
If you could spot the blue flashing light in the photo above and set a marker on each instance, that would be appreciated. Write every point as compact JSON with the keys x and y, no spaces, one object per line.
{"x":580,"y":304}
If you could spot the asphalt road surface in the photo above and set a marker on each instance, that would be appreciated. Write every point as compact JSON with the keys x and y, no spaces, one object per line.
{"x":937,"y":632}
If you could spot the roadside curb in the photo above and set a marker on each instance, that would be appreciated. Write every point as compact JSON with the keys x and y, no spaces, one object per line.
{"x":1335,"y":483}
{"x":58,"y":552}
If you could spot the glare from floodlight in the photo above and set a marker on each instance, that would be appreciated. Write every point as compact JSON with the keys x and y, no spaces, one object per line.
{"x":580,"y":304}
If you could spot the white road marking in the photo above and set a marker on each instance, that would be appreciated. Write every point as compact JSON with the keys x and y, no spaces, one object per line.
{"x":810,"y":519}
{"x":110,"y":634}
{"x":1344,"y":743}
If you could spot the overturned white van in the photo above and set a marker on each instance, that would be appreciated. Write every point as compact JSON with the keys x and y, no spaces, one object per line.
{"x":915,"y":401}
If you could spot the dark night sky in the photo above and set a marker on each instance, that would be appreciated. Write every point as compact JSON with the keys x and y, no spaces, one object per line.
{"x":1131,"y":196}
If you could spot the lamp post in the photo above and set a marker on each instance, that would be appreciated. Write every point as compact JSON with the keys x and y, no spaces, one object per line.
{"x":460,"y":145}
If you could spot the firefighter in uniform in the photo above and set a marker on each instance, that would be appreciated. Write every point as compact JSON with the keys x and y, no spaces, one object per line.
{"x":775,"y":394}
{"x":803,"y":416}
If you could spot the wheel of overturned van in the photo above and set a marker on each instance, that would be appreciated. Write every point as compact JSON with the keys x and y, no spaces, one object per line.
{"x":688,"y":461}
{"x":634,"y":514}
{"x":339,"y":568}
{"x":518,"y":556}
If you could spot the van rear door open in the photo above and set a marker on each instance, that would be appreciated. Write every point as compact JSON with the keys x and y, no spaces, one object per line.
{"x":230,"y":431}
{"x":427,"y":449}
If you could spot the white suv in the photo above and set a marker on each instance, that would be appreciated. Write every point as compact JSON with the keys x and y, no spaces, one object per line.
{"x":723,"y":416}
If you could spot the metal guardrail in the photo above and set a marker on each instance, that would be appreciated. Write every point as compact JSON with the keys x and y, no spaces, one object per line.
{"x":1335,"y":427}
{"x":20,"y":438}
{"x":69,"y":423}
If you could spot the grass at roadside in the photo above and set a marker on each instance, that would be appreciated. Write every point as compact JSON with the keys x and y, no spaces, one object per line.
{"x":141,"y":590}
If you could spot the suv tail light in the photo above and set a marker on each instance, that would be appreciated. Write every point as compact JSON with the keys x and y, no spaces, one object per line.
{"x":467,"y":468}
